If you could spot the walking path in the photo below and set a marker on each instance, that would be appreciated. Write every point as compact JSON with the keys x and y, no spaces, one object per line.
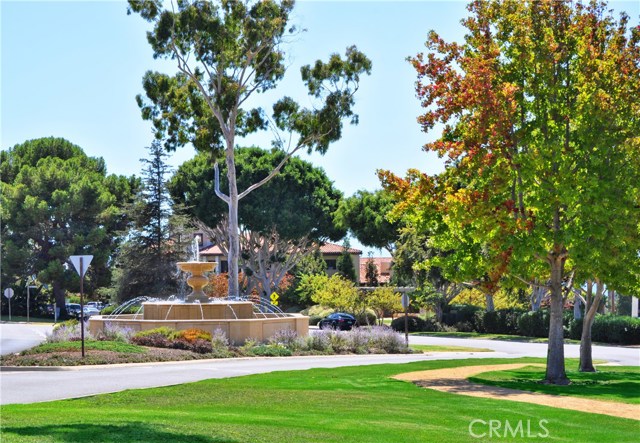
{"x":454,"y":380}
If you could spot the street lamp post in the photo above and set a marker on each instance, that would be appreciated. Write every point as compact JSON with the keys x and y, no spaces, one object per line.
{"x":30,"y":281}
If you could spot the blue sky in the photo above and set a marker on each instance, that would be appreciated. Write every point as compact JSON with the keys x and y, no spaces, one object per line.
{"x":72,"y":69}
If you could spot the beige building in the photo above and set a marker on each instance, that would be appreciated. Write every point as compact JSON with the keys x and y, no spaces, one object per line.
{"x":383,"y":264}
{"x":330,"y":253}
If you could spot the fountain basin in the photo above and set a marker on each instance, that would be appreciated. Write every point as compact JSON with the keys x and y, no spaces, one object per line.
{"x":235,"y":318}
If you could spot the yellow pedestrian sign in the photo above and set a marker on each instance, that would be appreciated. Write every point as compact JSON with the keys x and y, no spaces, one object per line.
{"x":274,"y":299}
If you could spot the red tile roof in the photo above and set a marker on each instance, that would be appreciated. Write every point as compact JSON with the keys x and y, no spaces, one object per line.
{"x":211,"y":250}
{"x":332,"y":248}
{"x":384,"y":268}
{"x":327,"y":248}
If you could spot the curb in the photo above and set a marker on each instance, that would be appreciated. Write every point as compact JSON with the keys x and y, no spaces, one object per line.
{"x":35,"y":368}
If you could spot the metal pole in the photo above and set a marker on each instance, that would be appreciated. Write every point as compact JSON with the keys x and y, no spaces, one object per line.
{"x":82,"y":305}
{"x":9,"y":308}
{"x":406,"y":327}
{"x":28,"y":297}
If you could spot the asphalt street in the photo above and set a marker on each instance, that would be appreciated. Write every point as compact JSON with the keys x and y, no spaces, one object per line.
{"x":26,"y":385}
{"x":16,"y":337}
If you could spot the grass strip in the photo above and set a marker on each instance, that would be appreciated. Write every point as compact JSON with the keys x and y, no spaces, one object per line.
{"x":355,"y":404}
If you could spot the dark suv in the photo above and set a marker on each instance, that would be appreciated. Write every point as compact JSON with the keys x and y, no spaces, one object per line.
{"x":338,"y":320}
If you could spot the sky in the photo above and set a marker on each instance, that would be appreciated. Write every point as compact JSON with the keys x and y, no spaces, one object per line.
{"x":72,"y":69}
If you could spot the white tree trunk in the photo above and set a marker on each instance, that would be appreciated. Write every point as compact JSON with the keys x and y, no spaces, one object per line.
{"x":591,"y":308}
{"x":233,"y":252}
{"x":489,"y":301}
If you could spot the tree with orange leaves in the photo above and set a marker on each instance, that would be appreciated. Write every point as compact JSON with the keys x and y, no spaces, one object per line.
{"x":541,"y":117}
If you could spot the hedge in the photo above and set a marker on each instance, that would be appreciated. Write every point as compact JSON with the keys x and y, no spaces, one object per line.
{"x":415,"y":324}
{"x":609,"y":329}
{"x":606,"y":328}
{"x":502,"y":321}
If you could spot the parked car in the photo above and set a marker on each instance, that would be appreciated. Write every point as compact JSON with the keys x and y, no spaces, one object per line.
{"x":73,"y":309}
{"x":338,"y":320}
{"x":96,"y":304}
{"x":90,"y":310}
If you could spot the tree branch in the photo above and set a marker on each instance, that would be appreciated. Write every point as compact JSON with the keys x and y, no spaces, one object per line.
{"x":219,"y":193}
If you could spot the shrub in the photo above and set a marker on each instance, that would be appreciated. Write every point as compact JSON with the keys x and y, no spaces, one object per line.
{"x":534,"y":324}
{"x":219,"y":341}
{"x":67,"y":323}
{"x":113,"y":332}
{"x":387,"y":340}
{"x":502,"y":321}
{"x":287,"y":338}
{"x":130,"y":310}
{"x":415,"y":324}
{"x":320,"y":341}
{"x":193,"y":334}
{"x":163,"y":331}
{"x":339,"y":342}
{"x":154,"y":340}
{"x":616,"y":329}
{"x":454,"y":314}
{"x":317,"y":313}
{"x":359,"y":340}
{"x":272,"y":350}
{"x":464,"y":326}
{"x":368,"y":318}
{"x":199,"y":345}
{"x":67,"y":331}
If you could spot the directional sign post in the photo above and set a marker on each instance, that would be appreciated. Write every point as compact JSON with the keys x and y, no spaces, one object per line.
{"x":405,"y":305}
{"x":30,"y":285}
{"x":81,"y":263}
{"x":9,"y":293}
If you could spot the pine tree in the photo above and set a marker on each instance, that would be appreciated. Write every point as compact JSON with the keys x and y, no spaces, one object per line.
{"x":345,"y":263}
{"x":147,"y":260}
{"x":371,"y":275}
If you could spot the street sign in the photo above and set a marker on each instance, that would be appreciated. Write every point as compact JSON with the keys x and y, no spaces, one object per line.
{"x":8,"y":293}
{"x":81,"y":263}
{"x":86,"y":259}
{"x":405,"y":301}
{"x":274,"y":299}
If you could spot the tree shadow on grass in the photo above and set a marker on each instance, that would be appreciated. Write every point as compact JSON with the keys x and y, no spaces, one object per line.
{"x":126,"y":432}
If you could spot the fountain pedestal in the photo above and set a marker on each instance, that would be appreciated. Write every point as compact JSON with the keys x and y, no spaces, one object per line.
{"x":197,"y":280}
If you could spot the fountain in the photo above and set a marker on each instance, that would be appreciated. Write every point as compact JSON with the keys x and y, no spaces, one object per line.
{"x":197,"y":280}
{"x":238,"y":317}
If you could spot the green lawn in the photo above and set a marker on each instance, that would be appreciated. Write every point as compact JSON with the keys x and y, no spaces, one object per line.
{"x":114,"y":346}
{"x":438,"y":348}
{"x":612,"y":383}
{"x":355,"y":404}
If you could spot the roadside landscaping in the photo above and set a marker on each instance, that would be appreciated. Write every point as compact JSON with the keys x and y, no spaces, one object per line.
{"x":612,"y":383}
{"x":479,"y":335}
{"x":358,"y":404}
{"x":466,"y":319}
{"x":118,"y":345}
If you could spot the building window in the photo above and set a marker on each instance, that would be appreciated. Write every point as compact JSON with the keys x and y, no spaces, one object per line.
{"x":224,"y":266}
{"x":331,"y":265}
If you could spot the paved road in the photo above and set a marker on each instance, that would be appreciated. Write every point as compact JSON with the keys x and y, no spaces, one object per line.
{"x":625,"y":356}
{"x":29,"y":386}
{"x":37,"y":386}
{"x":16,"y":337}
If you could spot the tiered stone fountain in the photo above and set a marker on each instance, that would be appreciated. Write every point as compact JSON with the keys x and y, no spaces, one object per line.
{"x":239,"y":320}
